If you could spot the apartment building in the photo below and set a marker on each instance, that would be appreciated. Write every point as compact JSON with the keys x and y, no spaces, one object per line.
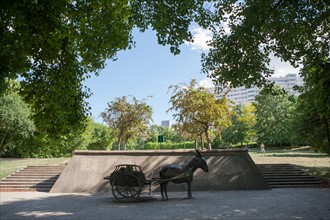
{"x":242,"y":95}
{"x":166,"y":123}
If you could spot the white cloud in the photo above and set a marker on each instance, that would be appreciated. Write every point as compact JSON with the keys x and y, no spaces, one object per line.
{"x":201,"y":36}
{"x":206,"y":82}
{"x":281,"y":68}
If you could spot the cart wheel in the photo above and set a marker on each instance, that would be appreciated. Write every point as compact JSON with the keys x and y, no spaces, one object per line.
{"x":126,"y":186}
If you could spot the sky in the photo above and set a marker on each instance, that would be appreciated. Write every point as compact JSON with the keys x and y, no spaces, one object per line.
{"x":149,"y":69}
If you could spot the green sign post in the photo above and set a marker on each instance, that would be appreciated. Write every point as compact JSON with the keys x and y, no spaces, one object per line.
{"x":160,"y":138}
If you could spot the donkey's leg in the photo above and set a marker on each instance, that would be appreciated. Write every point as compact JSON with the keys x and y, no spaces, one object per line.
{"x":162,"y":189}
{"x":165,"y":190}
{"x":189,"y":190}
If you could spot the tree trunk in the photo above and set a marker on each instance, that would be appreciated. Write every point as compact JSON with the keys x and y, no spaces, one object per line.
{"x":125,"y":142}
{"x":119,"y":142}
{"x":3,"y":140}
{"x":328,"y":135}
{"x":209,"y":144}
{"x":202,"y":142}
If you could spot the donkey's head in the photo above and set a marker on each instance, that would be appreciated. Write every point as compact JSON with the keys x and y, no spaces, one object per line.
{"x":201,"y":161}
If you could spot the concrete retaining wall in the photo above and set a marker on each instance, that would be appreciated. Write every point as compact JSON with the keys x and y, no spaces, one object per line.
{"x":228,"y":170}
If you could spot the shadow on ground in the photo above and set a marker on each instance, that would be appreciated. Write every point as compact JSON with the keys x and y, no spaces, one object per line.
{"x":311,"y":203}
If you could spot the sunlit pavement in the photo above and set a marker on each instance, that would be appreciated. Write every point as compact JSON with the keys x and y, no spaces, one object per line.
{"x":301,"y":203}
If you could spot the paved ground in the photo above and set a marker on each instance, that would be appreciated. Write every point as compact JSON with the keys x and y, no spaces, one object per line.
{"x":303,"y":203}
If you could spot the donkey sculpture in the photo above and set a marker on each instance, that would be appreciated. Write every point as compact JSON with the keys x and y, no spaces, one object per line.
{"x":181,"y":173}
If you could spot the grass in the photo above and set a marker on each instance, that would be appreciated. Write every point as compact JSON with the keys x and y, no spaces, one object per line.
{"x":10,"y":165}
{"x":316,"y":164}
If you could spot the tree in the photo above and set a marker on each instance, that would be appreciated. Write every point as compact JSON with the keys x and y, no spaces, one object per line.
{"x":16,"y":127}
{"x":53,"y":46}
{"x":256,"y":29}
{"x":127,"y":119}
{"x":169,"y":134}
{"x":96,"y":136}
{"x":275,"y":111}
{"x":248,"y":118}
{"x":313,"y":111}
{"x":294,"y":31}
{"x":198,"y":110}
{"x":242,"y":123}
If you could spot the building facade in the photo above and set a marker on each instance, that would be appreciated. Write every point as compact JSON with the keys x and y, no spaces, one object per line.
{"x":242,"y":95}
{"x":166,"y":123}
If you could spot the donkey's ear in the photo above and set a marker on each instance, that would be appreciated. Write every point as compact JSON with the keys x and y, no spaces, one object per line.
{"x":198,"y":154}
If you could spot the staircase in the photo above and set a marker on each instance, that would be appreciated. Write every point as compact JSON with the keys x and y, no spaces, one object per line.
{"x":287,"y":176}
{"x":31,"y":178}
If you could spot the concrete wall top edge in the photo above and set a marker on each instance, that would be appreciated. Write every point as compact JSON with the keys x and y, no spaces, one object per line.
{"x":157,"y":152}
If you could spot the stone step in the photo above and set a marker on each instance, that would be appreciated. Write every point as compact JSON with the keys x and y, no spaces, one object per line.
{"x":270,"y":175}
{"x":301,"y":178}
{"x":287,"y":175}
{"x":36,"y":177}
{"x":47,"y":167}
{"x":41,"y":170}
{"x":293,"y":184}
{"x":32,"y":184}
{"x":23,"y":189}
{"x":22,"y":182}
{"x":37,"y":172}
{"x":10,"y":179}
{"x":298,"y":181}
{"x":32,"y":178}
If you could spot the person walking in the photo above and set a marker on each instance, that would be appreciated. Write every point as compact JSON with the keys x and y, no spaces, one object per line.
{"x":262,"y":149}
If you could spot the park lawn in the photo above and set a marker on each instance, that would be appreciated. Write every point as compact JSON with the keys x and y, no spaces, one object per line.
{"x":316,"y":164}
{"x":11,"y":165}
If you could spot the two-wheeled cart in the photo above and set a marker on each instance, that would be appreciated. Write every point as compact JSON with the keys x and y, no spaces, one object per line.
{"x":127,"y":181}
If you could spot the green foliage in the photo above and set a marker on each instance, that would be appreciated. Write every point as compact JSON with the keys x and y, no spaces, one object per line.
{"x":96,"y":136}
{"x":240,"y":52}
{"x":241,"y":128}
{"x":169,"y":134}
{"x":16,"y":127}
{"x":44,"y":146}
{"x":313,"y":118}
{"x":52,"y":46}
{"x":169,"y":145}
{"x":171,"y":19}
{"x":127,"y":119}
{"x":250,"y":32}
{"x":275,"y":111}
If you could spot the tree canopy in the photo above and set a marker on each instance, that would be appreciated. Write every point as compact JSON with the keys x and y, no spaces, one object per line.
{"x":314,"y":105}
{"x":198,"y":110}
{"x":242,"y":124}
{"x":127,"y":119}
{"x":52,"y":46}
{"x":250,"y":31}
{"x":16,"y":127}
{"x":275,"y":111}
